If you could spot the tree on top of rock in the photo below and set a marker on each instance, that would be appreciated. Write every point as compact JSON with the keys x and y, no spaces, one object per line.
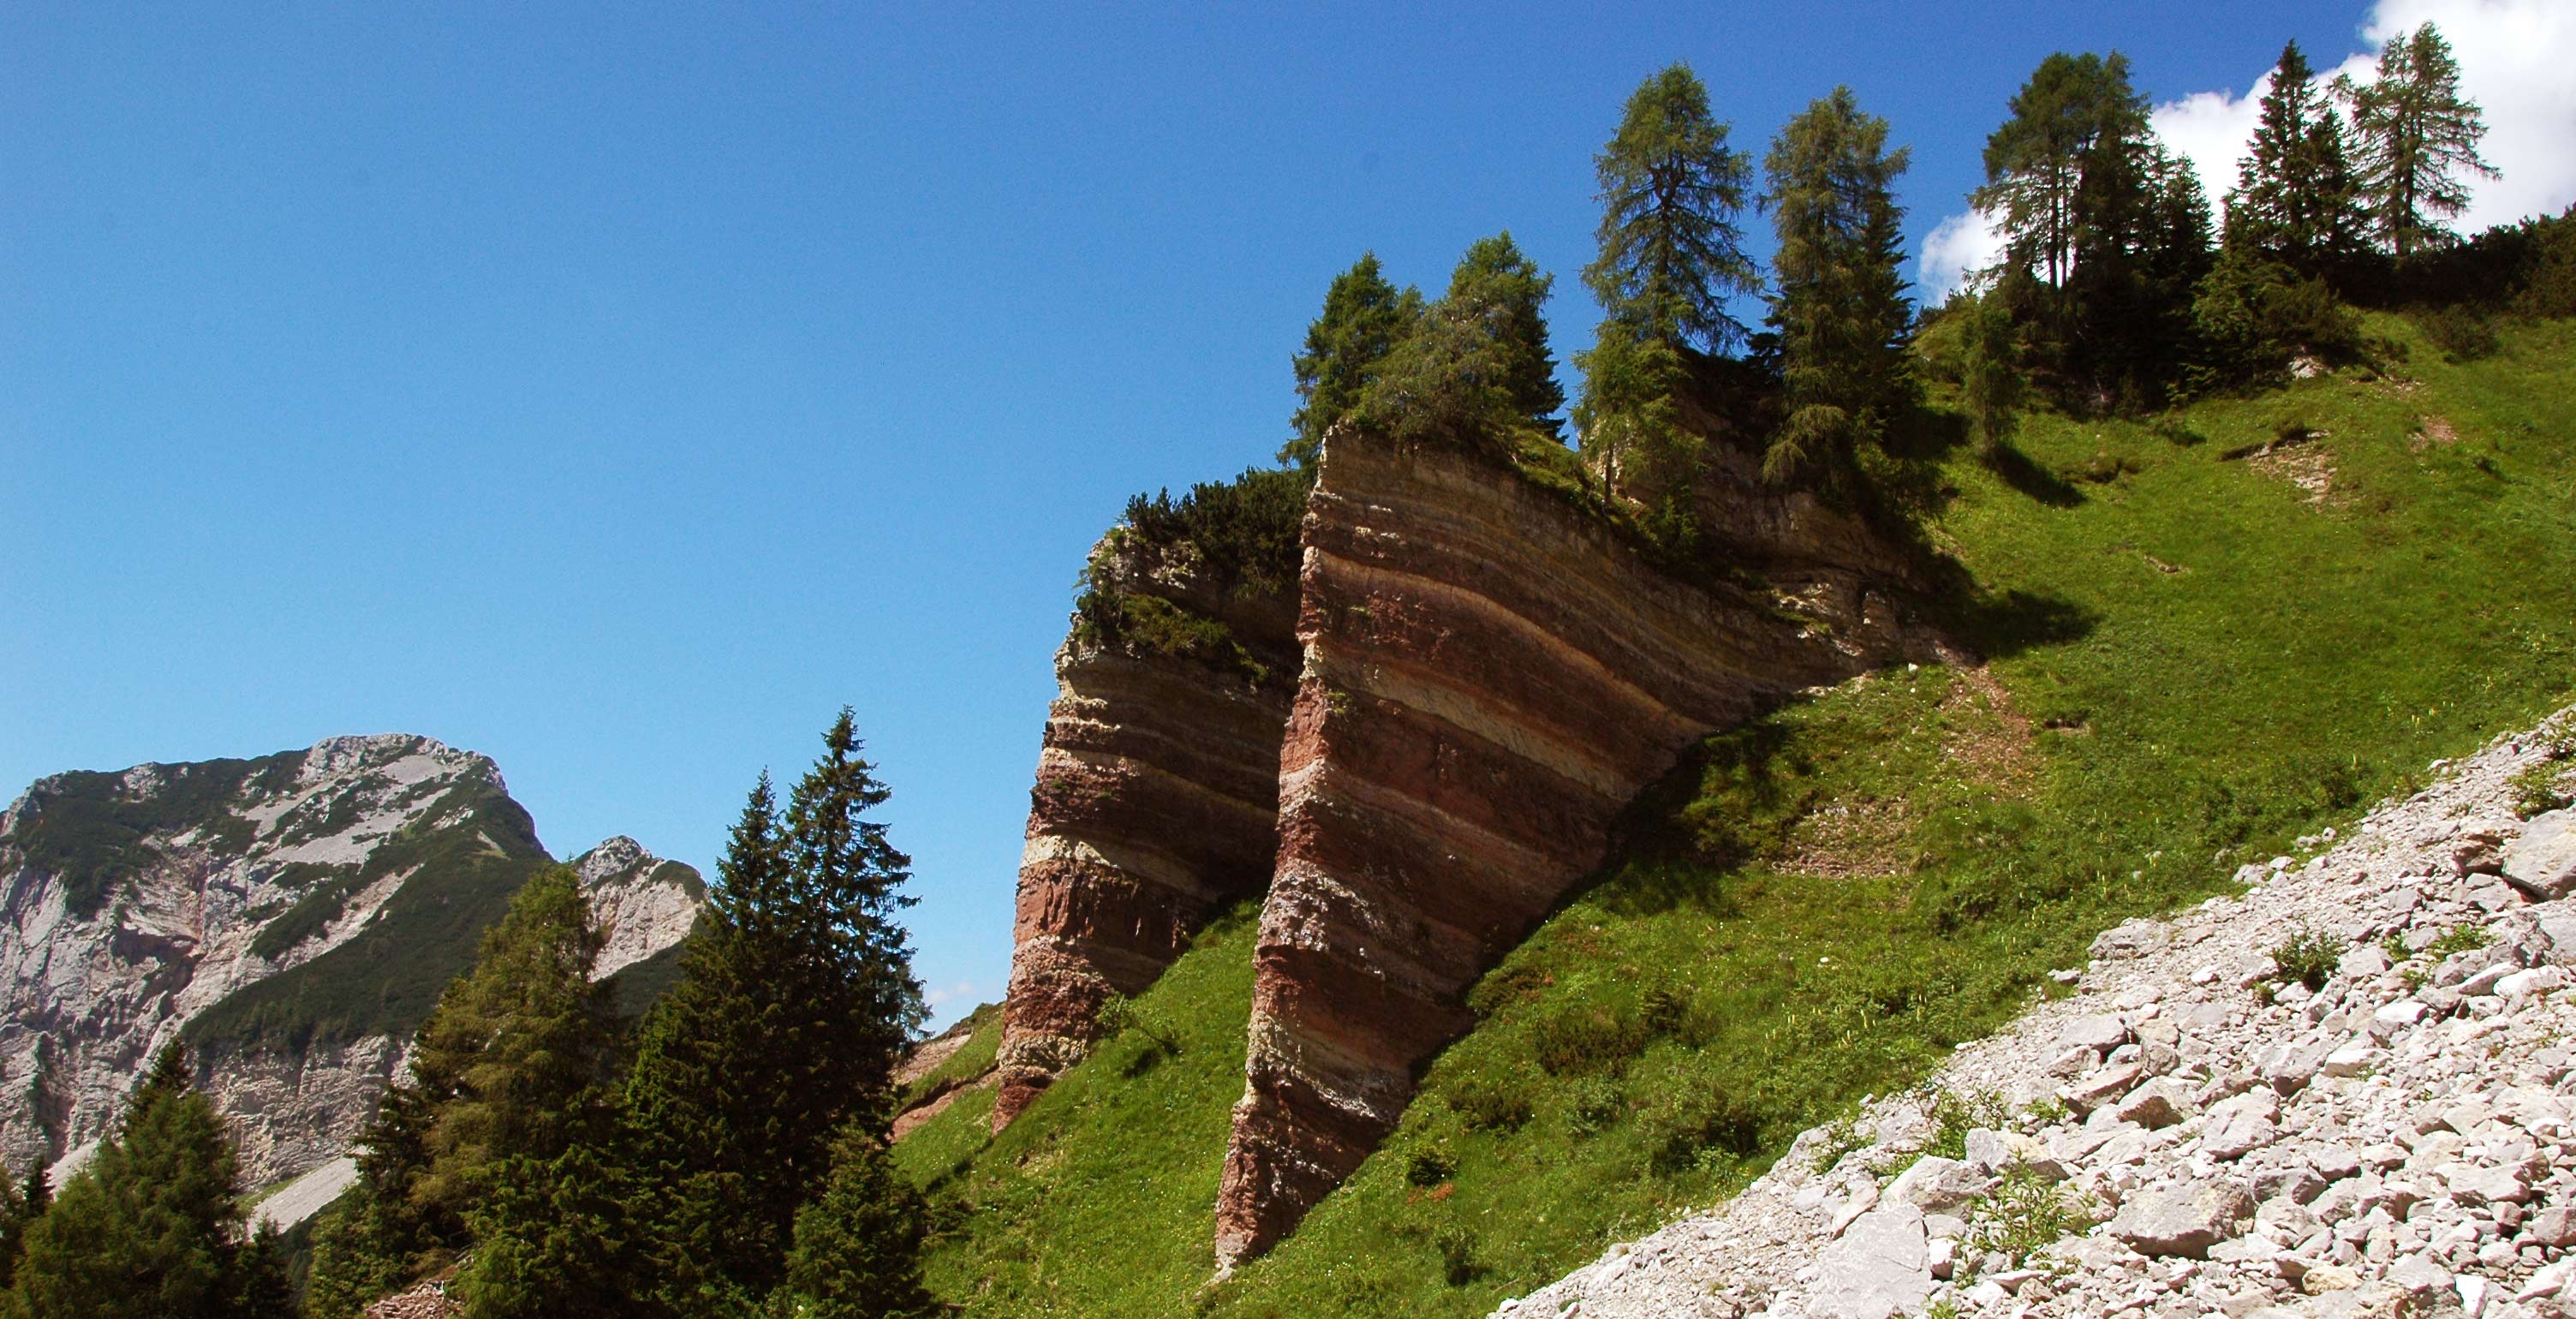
{"x":1840,"y":311}
{"x":1672,"y":251}
{"x":1364,"y":318}
{"x":1496,"y":284}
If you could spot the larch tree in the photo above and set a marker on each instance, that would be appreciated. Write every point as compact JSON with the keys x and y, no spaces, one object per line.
{"x":1363,"y":320}
{"x":500,"y":1070}
{"x":1672,"y":247}
{"x":1840,"y":308}
{"x":2419,"y":142}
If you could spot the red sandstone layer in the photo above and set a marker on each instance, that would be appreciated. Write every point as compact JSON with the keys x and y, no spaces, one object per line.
{"x":1156,"y":805}
{"x":1490,"y":675}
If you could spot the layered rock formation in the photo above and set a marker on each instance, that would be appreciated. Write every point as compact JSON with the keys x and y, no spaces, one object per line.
{"x":1156,"y":801}
{"x":1491,"y":673}
{"x":293,"y":917}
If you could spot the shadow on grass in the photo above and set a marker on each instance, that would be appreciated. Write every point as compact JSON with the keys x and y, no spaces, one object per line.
{"x":2017,"y":470}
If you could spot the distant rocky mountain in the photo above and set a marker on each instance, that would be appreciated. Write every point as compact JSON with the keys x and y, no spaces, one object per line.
{"x":292,"y":918}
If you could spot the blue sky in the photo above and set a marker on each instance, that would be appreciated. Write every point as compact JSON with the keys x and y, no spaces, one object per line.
{"x":619,"y":393}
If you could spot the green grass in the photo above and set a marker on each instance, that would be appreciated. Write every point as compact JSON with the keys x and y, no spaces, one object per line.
{"x":973,"y":1058}
{"x":2200,"y":664}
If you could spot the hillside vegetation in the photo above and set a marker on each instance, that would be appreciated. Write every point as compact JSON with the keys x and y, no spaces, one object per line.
{"x":2209,"y":633}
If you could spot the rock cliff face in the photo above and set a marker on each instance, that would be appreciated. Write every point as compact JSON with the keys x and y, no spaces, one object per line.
{"x":1490,"y":675}
{"x":1156,"y":805}
{"x":1487,"y":672}
{"x":292,"y":917}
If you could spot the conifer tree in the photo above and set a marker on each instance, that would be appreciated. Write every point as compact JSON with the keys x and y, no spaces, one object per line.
{"x":2419,"y":142}
{"x":1364,"y":317}
{"x":1840,"y":310}
{"x":1505,"y":291}
{"x":2296,"y":201}
{"x":1672,"y":250}
{"x":2061,"y":160}
{"x":155,"y":1224}
{"x":857,"y":1253}
{"x":795,"y":1001}
{"x":21,"y":1204}
{"x":498,"y":1071}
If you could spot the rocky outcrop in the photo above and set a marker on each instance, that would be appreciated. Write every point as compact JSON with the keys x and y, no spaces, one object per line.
{"x":2193,"y":1132}
{"x":642,"y":903}
{"x":291,"y":917}
{"x":1156,"y":801}
{"x":1491,"y":672}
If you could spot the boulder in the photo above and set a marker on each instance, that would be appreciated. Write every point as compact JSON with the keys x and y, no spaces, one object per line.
{"x":1880,"y":1267}
{"x":1935,"y":1184}
{"x":2184,"y":1219}
{"x":2542,"y":863}
{"x":2160,"y":1102}
{"x":2101,"y":1032}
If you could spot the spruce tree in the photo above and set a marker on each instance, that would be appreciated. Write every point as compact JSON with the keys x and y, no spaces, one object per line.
{"x":1672,"y":250}
{"x":21,"y":1204}
{"x":795,"y":1002}
{"x":154,"y":1225}
{"x":1840,"y":311}
{"x":498,"y":1071}
{"x":1364,"y":317}
{"x":2296,"y":201}
{"x":2419,"y":142}
{"x":2057,"y":163}
{"x":1505,"y":291}
{"x":857,"y":1253}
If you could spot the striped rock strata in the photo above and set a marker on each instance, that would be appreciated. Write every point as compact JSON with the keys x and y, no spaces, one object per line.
{"x":1156,"y":805}
{"x":1490,"y":675}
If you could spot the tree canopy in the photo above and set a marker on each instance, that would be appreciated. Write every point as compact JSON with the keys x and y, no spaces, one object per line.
{"x":1840,"y":309}
{"x":2419,"y":142}
{"x":1672,"y":249}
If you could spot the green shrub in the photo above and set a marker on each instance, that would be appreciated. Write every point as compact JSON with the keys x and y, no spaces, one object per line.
{"x":1584,"y":1038}
{"x":2462,"y":333}
{"x":2024,"y":1214}
{"x":1457,"y":1247}
{"x":1486,"y":1104}
{"x":1593,"y":1104}
{"x":1692,"y":1127}
{"x":1954,"y":1115}
{"x":1430,"y":1165}
{"x":2537,"y":790}
{"x":2308,"y":956}
{"x":2458,"y":939}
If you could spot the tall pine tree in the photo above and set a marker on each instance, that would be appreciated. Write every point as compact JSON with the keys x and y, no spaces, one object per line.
{"x":1840,"y":309}
{"x":858,"y":1244}
{"x":155,"y":1224}
{"x":2419,"y":142}
{"x":1364,"y":317}
{"x":795,"y":1002}
{"x":499,"y":1071}
{"x":2296,"y":201}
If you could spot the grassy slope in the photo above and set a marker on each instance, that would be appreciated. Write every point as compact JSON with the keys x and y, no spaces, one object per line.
{"x":1664,"y":1035}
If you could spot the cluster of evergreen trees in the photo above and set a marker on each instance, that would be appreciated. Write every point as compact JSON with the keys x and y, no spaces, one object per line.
{"x":2115,"y":291}
{"x":733,"y":1164}
{"x":154,"y":1224}
{"x":2121,"y":289}
{"x":727,"y":1159}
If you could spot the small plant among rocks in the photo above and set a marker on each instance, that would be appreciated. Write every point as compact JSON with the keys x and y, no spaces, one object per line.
{"x":1840,"y":1139}
{"x":2458,"y":939}
{"x":2537,"y":790}
{"x":2024,"y":1214}
{"x":1954,"y":1115}
{"x":2308,"y":956}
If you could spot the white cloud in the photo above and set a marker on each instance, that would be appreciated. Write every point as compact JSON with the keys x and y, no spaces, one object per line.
{"x":962,"y":991}
{"x":2514,"y":56}
{"x":1957,"y":248}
